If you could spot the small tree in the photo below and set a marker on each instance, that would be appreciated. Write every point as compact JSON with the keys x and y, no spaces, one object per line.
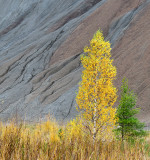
{"x":129,"y":125}
{"x":97,"y":93}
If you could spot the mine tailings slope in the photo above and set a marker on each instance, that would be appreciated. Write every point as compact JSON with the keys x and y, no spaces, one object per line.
{"x":40,"y":47}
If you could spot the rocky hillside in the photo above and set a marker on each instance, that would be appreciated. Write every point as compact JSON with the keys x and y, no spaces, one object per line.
{"x":40,"y":45}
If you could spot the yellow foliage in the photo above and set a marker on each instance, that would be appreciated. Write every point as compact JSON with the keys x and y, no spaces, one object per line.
{"x":97,"y":93}
{"x":74,"y":129}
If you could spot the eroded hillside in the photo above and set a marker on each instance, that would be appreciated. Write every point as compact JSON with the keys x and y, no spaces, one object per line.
{"x":40,"y":45}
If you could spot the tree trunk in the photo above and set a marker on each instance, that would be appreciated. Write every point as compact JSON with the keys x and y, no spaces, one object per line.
{"x":122,"y":133}
{"x":94,"y":118}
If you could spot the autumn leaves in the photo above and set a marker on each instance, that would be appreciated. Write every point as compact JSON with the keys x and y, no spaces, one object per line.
{"x":97,"y":94}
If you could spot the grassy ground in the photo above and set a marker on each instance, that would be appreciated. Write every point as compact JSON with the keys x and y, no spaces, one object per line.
{"x":48,"y":141}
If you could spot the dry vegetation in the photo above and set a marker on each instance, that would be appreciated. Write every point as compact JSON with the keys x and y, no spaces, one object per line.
{"x":48,"y":141}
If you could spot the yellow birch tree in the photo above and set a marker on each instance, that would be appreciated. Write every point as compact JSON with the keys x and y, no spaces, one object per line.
{"x":97,"y":93}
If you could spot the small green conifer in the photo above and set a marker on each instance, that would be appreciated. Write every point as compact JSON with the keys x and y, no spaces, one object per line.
{"x":129,"y":127}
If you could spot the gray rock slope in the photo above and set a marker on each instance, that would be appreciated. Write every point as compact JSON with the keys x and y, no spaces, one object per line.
{"x":32,"y":87}
{"x":30,"y":32}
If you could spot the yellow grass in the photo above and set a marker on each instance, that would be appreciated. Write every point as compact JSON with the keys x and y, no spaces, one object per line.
{"x":48,"y":141}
